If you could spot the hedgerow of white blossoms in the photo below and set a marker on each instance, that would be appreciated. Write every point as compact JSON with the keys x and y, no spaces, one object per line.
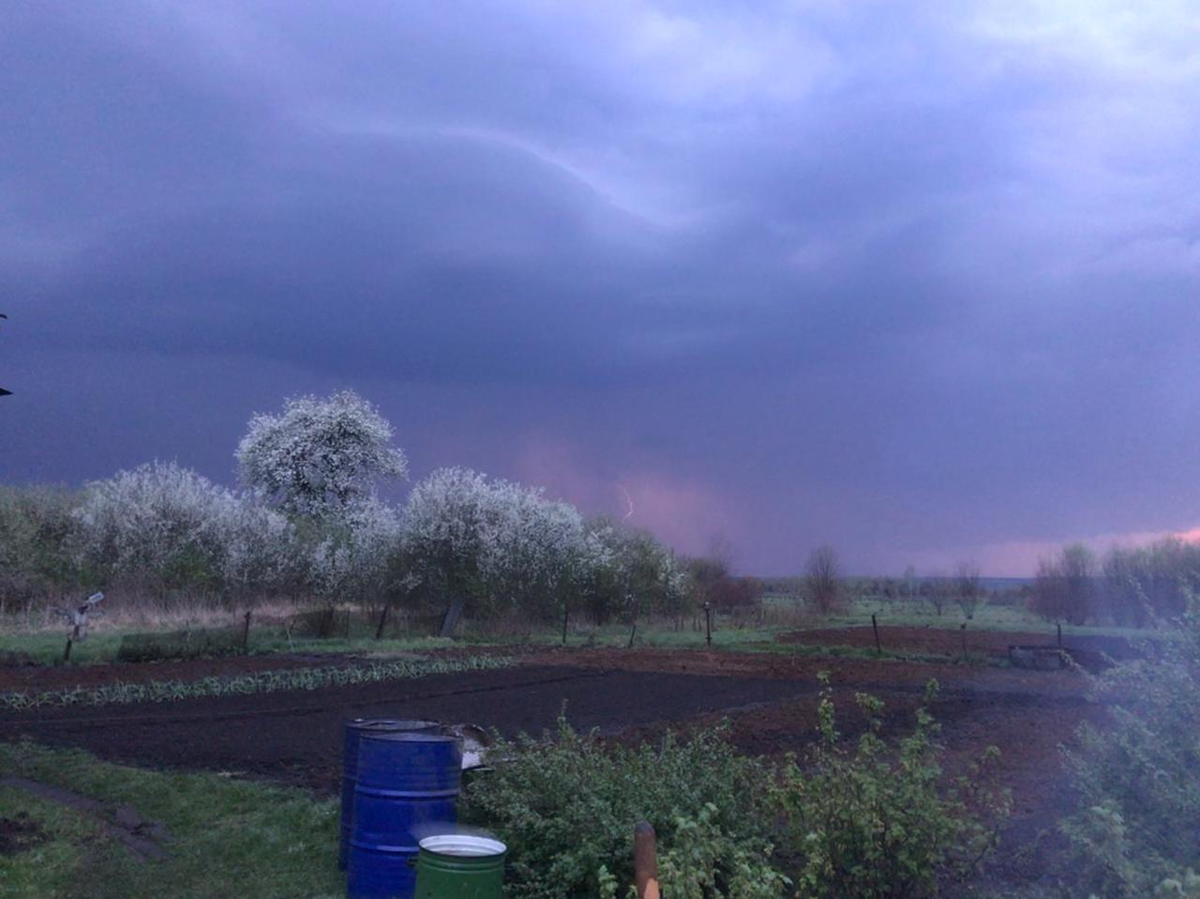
{"x":320,"y":456}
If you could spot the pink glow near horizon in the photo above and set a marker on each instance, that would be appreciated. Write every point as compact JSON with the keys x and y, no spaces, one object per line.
{"x":684,"y":514}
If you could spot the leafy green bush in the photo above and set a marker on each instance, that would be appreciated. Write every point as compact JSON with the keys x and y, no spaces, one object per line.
{"x":869,"y":823}
{"x":566,"y":808}
{"x":1138,"y":829}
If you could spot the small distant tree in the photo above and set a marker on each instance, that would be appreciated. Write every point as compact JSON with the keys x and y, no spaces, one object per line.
{"x":968,"y":592}
{"x":1064,"y":588}
{"x":320,"y":457}
{"x":935,"y":590}
{"x":823,"y":579}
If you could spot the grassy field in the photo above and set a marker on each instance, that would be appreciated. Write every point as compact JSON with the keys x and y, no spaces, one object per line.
{"x":779,"y":614}
{"x":226,"y":837}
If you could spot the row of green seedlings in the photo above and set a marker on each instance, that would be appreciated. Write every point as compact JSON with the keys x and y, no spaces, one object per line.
{"x":242,"y":684}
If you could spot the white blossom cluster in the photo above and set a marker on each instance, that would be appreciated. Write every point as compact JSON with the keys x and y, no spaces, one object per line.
{"x":145,"y":520}
{"x":501,"y":542}
{"x":320,"y":456}
{"x":350,"y":560}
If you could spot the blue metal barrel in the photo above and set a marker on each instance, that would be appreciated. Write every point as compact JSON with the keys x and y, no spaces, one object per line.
{"x":353,"y":732}
{"x":407,"y":790}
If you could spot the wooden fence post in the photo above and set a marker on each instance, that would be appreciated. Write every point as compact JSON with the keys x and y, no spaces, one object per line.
{"x":382,"y":620}
{"x":875,"y":627}
{"x":645,"y":862}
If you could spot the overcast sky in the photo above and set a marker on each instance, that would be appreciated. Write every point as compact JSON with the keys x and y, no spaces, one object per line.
{"x":915,"y":279}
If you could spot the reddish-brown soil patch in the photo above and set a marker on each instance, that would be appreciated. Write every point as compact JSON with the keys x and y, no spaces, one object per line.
{"x":949,"y":642}
{"x":862,"y":673}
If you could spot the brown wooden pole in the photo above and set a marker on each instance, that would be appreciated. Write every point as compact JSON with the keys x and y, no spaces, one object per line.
{"x":246,"y":634}
{"x":382,"y":620}
{"x":964,"y":640}
{"x":645,"y":862}
{"x":875,"y":627}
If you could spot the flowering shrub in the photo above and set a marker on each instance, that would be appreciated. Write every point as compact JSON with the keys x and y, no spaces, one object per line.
{"x":320,"y":456}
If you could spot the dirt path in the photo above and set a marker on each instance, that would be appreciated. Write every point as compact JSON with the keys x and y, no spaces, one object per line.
{"x":141,"y":837}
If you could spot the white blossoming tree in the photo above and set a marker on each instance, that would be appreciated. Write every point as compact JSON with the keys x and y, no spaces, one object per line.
{"x":260,"y":550}
{"x":470,"y":541}
{"x":641,"y":574}
{"x":153,"y":520}
{"x":350,"y":561}
{"x":168,"y":525}
{"x":320,"y":457}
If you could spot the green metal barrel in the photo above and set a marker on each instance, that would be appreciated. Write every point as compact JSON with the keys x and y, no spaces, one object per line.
{"x":458,"y":866}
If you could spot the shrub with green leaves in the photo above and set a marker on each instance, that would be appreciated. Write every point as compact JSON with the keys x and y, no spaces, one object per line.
{"x":867,"y":821}
{"x":1138,"y":829}
{"x":566,"y":807}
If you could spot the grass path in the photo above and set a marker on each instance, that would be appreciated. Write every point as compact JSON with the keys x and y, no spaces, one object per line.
{"x":227,"y":837}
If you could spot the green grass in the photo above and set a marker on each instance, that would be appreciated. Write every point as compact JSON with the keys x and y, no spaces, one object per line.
{"x":918,"y":613}
{"x":102,"y":645}
{"x":229,"y":838}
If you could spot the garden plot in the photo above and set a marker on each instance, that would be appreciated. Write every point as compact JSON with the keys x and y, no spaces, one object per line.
{"x":294,"y":737}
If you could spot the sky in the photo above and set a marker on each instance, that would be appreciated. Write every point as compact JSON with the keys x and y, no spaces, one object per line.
{"x":917,"y":280}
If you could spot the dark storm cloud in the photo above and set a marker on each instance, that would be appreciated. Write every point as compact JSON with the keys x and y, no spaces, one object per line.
{"x":911,"y":278}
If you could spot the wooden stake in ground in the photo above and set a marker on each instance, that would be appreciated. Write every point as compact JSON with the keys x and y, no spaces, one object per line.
{"x":382,"y":620}
{"x":875,"y":627}
{"x":246,"y":634}
{"x":645,"y":862}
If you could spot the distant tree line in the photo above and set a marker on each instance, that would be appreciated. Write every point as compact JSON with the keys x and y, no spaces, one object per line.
{"x":1128,"y":586}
